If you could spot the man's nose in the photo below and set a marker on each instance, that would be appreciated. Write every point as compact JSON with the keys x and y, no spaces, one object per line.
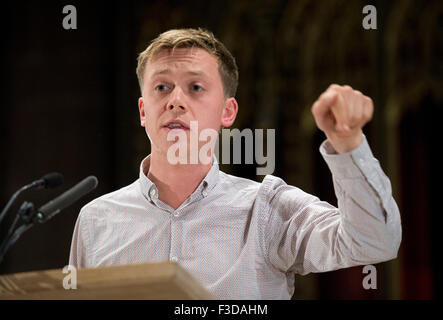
{"x":177,"y":101}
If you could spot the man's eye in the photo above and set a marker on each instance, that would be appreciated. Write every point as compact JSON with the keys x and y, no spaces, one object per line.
{"x":161,"y":87}
{"x":196,"y":87}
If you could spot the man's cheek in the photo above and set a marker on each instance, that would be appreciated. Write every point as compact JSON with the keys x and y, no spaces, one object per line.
{"x":148,"y":130}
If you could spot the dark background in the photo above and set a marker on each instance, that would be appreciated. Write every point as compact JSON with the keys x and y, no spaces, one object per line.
{"x":69,"y":104}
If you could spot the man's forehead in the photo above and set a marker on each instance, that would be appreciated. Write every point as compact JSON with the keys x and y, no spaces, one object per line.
{"x":194,"y":61}
{"x":177,"y":52}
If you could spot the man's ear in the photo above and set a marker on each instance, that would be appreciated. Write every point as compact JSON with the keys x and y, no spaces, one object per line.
{"x":229,"y":112}
{"x":141,"y":109}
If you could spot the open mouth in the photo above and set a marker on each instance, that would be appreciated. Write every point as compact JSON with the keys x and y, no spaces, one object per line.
{"x":176,"y":125}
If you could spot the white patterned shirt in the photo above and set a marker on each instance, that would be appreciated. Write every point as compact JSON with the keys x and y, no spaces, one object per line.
{"x":243,"y":239}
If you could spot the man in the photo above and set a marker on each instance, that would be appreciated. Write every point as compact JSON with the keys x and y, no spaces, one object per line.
{"x":240,"y":239}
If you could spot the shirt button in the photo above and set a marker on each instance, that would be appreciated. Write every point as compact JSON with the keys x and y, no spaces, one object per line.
{"x":176,"y":214}
{"x":174,"y":259}
{"x":204,"y":193}
{"x":152,"y":193}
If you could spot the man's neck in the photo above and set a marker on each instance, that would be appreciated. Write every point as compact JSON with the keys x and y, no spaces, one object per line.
{"x":175,"y":183}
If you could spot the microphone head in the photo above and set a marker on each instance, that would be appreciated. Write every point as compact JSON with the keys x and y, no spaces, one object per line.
{"x":52,"y":180}
{"x":67,"y":198}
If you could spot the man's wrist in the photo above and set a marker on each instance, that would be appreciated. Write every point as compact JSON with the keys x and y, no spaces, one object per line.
{"x":348,"y":165}
{"x":346,"y":144}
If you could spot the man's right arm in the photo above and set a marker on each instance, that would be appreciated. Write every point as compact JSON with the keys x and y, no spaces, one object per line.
{"x":78,"y":255}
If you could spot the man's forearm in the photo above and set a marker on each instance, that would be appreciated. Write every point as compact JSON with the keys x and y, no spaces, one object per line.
{"x":370,"y":215}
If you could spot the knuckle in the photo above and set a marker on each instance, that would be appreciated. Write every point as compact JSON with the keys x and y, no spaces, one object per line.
{"x":325,"y":94}
{"x":366,"y":117}
{"x":367,"y":114}
{"x":334,"y":86}
{"x":371,"y":107}
{"x":315,"y":107}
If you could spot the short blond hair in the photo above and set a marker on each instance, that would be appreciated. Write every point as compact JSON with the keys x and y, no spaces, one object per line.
{"x":193,"y":38}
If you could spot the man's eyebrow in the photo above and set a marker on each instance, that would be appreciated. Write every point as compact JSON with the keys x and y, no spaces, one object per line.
{"x":190,"y":72}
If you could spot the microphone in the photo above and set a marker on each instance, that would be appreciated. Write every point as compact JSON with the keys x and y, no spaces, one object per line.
{"x":47,"y":211}
{"x":48,"y":181}
{"x":53,"y":207}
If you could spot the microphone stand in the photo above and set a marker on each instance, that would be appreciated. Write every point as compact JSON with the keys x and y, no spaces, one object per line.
{"x":14,"y":196}
{"x":50,"y":180}
{"x":30,"y":216}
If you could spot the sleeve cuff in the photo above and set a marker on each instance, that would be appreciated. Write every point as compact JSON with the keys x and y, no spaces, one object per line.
{"x":347,"y":165}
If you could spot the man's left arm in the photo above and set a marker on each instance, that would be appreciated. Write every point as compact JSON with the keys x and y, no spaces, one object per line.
{"x":369,"y":213}
{"x":341,"y":112}
{"x":307,"y":235}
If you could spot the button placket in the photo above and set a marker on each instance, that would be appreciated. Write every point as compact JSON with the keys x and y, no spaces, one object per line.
{"x":175,"y":235}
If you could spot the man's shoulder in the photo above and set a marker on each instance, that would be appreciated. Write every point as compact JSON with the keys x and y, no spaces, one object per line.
{"x":229,"y":179}
{"x":270,"y":188}
{"x":239,"y":183}
{"x":122,"y":196}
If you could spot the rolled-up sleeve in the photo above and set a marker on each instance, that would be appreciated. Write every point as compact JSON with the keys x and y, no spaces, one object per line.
{"x":304,"y":234}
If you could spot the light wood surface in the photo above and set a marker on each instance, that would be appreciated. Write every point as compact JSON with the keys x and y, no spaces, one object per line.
{"x":162,"y":281}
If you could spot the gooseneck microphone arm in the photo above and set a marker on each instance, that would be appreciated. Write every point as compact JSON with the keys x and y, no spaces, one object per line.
{"x":31,"y":216}
{"x":12,"y":238}
{"x":50,"y":180}
{"x":14,"y":196}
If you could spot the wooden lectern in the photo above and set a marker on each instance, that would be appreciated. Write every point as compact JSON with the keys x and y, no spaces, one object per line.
{"x":162,"y":281}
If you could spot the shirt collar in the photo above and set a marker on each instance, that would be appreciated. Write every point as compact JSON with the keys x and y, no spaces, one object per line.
{"x":150,"y":191}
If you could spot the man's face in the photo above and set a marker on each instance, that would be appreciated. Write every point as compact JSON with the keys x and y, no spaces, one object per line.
{"x":179,"y":88}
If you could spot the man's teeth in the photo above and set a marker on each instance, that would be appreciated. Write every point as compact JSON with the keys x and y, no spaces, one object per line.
{"x":175,"y":125}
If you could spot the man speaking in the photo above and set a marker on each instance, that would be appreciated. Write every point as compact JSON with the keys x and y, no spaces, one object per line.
{"x":241,"y":239}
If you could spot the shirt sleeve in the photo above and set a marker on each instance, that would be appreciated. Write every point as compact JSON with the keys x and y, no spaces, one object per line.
{"x":304,"y":234}
{"x":79,"y":245}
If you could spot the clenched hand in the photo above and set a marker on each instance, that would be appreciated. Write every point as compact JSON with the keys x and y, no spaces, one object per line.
{"x":341,"y":112}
